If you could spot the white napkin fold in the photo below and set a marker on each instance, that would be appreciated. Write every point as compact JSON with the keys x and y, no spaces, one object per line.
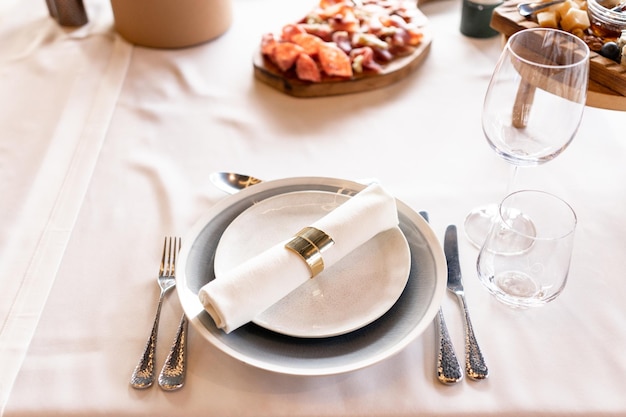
{"x":247,"y":290}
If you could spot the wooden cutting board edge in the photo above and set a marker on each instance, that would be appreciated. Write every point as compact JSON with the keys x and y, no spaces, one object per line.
{"x":607,"y":84}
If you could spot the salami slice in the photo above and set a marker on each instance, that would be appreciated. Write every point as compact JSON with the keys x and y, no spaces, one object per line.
{"x":307,"y":70}
{"x":334,"y":61}
{"x":285,"y":55}
{"x":310,"y":43}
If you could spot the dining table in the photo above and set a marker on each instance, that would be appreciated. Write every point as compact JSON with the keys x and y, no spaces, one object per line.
{"x":106,"y":147}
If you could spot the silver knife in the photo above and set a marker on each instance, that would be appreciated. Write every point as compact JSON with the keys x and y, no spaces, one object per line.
{"x":448,"y":368}
{"x":475,"y":366}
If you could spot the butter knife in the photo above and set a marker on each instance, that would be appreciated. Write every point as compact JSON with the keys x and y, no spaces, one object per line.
{"x":475,"y":366}
{"x":448,"y":368}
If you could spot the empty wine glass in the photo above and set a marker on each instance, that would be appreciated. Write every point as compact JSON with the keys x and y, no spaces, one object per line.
{"x":533,"y":106}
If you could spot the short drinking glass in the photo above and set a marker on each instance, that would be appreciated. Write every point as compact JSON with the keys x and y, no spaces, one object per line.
{"x":524,"y":269}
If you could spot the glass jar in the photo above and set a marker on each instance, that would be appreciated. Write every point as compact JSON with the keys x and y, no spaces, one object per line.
{"x":605,"y":23}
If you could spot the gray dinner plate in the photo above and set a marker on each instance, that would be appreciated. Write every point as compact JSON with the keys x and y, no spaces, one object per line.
{"x":262,"y":348}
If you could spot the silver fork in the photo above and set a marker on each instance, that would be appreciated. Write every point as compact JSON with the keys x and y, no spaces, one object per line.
{"x":172,"y":376}
{"x":143,"y":375}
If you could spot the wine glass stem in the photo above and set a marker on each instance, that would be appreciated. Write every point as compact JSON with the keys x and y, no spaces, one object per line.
{"x":512,"y":177}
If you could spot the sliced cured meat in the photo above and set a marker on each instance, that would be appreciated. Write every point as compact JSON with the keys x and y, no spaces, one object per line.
{"x":268,"y":43}
{"x":310,"y":43}
{"x":364,"y":60}
{"x":334,"y":61}
{"x":342,"y":40}
{"x":307,"y":70}
{"x":290,"y":30}
{"x":285,"y":54}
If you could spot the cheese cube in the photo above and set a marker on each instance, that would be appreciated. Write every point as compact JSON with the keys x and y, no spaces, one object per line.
{"x":548,"y":20}
{"x":575,"y":19}
{"x":565,"y":7}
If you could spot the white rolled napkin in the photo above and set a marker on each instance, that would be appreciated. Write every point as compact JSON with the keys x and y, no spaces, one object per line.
{"x":247,"y":290}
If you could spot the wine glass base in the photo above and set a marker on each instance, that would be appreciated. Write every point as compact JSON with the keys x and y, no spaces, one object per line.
{"x":478,"y":222}
{"x":519,"y":239}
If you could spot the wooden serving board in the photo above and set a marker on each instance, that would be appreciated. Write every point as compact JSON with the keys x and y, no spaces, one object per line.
{"x":396,"y":70}
{"x":607,"y":78}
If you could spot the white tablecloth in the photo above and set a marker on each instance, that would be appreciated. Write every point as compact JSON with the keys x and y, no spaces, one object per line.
{"x":106,"y":147}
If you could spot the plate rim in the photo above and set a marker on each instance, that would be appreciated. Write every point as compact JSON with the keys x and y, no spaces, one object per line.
{"x":194,"y":311}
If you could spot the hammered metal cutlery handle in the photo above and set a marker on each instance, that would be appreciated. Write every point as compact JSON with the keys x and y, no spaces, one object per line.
{"x":143,"y":375}
{"x":448,"y":368}
{"x":172,"y":376}
{"x":475,"y":365}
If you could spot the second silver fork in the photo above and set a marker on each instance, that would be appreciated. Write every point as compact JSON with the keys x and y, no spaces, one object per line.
{"x":172,"y":376}
{"x":143,"y":376}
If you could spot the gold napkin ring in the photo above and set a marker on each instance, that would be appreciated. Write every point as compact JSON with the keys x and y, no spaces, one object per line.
{"x":309,"y":243}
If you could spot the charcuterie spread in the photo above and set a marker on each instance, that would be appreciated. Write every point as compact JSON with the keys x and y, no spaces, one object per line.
{"x":345,"y":40}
